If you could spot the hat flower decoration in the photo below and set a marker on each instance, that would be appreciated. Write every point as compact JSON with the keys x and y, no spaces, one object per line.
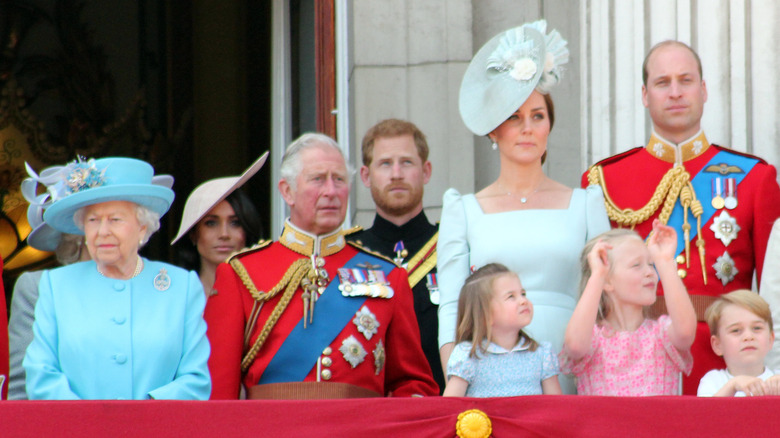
{"x":506,"y":70}
{"x":83,"y":174}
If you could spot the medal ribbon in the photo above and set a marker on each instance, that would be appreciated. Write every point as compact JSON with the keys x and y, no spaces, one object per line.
{"x":299,"y":352}
{"x":702,"y":184}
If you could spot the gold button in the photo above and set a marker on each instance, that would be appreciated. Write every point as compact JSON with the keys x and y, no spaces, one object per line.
{"x":326,"y":374}
{"x":682,"y":273}
{"x":680,"y":259}
{"x":327,"y":351}
{"x":326,"y":361}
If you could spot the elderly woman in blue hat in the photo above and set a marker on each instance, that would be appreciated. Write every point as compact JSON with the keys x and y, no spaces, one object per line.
{"x":525,"y":220}
{"x":118,"y":326}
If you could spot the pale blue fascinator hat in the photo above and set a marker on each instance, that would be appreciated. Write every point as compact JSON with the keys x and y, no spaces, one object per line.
{"x":88,"y":182}
{"x":506,"y":70}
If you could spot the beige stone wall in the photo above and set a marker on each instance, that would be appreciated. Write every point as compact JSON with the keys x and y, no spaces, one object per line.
{"x":408,"y":58}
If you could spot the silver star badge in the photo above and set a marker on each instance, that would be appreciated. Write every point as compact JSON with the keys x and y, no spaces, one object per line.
{"x":725,"y":269}
{"x":366,"y":322}
{"x":379,"y":357}
{"x":725,"y":227}
{"x":353,"y":351}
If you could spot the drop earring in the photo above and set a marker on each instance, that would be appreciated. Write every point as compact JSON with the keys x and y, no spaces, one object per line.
{"x":495,"y":146}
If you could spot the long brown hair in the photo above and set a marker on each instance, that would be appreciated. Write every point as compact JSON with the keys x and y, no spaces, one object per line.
{"x":474,"y":318}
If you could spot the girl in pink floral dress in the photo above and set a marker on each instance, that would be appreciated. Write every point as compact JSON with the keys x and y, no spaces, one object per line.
{"x":610,"y":345}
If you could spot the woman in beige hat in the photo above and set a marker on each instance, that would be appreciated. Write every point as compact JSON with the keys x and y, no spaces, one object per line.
{"x":218,"y":220}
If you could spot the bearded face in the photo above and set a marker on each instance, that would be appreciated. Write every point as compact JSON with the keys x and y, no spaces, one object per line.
{"x":396,"y":176}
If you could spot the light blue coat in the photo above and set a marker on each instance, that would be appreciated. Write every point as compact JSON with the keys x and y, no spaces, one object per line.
{"x":100,"y":338}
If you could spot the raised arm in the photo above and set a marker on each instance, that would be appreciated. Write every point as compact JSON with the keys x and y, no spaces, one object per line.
{"x":579,"y":332}
{"x":662,"y":245}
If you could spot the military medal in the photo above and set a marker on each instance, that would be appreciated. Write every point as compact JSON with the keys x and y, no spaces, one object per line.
{"x":364,"y":283}
{"x":162,"y":281}
{"x":379,"y":357}
{"x":400,"y":253}
{"x":717,"y":191}
{"x":353,"y":351}
{"x":731,"y":193}
{"x":366,"y":322}
{"x":725,"y":269}
{"x":433,"y":288}
{"x":725,"y":227}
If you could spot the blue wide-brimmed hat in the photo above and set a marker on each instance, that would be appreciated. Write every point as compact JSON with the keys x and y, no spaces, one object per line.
{"x":89,"y":182}
{"x":506,"y":70}
{"x":42,"y":237}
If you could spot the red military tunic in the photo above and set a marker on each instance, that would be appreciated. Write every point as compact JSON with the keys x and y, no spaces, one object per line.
{"x":393,"y":361}
{"x":631,"y":178}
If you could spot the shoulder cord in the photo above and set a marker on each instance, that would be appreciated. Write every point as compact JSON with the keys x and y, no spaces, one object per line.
{"x":674,"y":184}
{"x":290,"y":282}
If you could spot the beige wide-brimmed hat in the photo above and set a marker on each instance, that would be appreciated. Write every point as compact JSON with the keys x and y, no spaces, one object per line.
{"x":207,"y":195}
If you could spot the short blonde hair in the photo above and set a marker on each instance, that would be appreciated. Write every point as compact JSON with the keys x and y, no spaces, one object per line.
{"x":747,"y":299}
{"x":474,"y":308}
{"x":612,"y":237}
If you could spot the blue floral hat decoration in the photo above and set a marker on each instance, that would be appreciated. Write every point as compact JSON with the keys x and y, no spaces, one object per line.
{"x":87,"y":182}
{"x":506,"y":70}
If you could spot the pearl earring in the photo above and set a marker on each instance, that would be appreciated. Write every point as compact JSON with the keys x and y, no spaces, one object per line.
{"x":495,"y":146}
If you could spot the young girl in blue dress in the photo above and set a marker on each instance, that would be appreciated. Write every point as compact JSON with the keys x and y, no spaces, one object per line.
{"x":493,"y":357}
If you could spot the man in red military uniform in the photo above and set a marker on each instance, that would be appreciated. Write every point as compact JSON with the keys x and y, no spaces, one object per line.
{"x":722,"y":203}
{"x":310,"y":316}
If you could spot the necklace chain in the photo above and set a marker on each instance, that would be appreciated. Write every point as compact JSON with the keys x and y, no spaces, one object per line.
{"x":139,"y":266}
{"x":523,"y":198}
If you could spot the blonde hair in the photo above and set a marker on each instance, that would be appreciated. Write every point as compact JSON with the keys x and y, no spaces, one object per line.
{"x":474,"y":308}
{"x":744,"y":298}
{"x":612,"y":237}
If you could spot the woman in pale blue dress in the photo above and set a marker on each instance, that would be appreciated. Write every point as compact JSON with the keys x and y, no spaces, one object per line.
{"x":534,"y":225}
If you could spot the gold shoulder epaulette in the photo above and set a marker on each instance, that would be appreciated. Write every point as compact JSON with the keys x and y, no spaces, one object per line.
{"x":360,"y":246}
{"x":248,"y":250}
{"x":353,"y":230}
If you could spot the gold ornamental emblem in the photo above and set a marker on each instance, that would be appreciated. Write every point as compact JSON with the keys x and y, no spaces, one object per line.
{"x":473,"y":424}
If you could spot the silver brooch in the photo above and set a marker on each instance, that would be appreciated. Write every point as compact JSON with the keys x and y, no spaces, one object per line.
{"x":725,"y":269}
{"x":725,"y":227}
{"x":353,"y":351}
{"x":366,"y":322}
{"x":379,"y":357}
{"x":162,"y":281}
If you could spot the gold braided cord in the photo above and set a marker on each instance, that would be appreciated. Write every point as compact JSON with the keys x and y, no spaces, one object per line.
{"x":676,"y":183}
{"x":292,"y":280}
{"x":698,"y":210}
{"x":259,"y":295}
{"x":667,"y":191}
